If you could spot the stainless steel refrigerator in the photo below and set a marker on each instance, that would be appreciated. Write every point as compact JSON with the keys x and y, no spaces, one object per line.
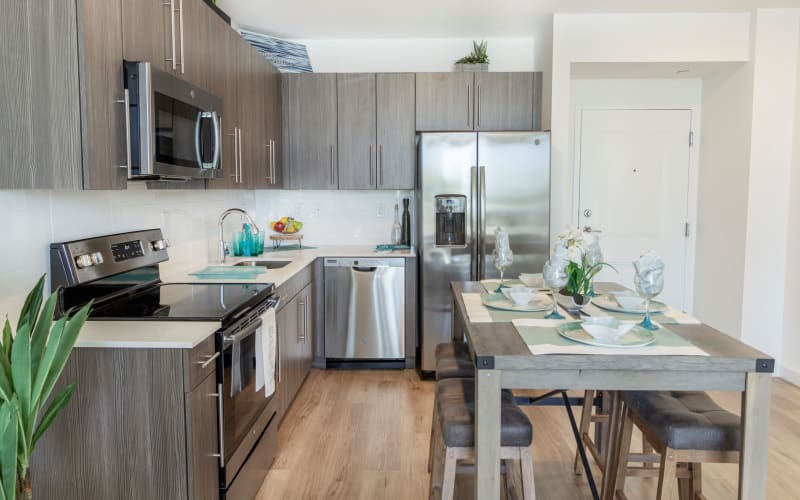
{"x":470,"y":183}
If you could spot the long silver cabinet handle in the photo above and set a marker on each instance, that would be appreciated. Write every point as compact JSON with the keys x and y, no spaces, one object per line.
{"x":478,"y":94}
{"x":171,"y":5}
{"x":221,"y":427}
{"x":380,"y":164}
{"x":180,"y":21}
{"x":204,"y":364}
{"x":269,"y":164}
{"x":274,"y":168}
{"x":370,"y":165}
{"x":469,"y":101}
{"x":332,"y":165}
{"x":241,"y":165}
{"x":126,"y":101}
{"x":301,"y":313}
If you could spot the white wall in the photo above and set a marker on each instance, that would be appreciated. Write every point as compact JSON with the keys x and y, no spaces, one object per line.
{"x":777,"y":35}
{"x":335,"y":217}
{"x":790,"y":368}
{"x":627,"y":38}
{"x":722,"y":202}
{"x":31,"y":220}
{"x":414,"y":54}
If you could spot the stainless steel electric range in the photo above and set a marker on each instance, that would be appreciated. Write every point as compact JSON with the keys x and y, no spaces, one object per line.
{"x":120,"y":274}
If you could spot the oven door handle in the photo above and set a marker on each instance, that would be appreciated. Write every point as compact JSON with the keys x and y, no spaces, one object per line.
{"x":238,"y":337}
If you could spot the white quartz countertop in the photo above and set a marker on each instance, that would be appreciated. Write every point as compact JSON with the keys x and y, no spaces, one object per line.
{"x":145,"y":334}
{"x":188,"y":334}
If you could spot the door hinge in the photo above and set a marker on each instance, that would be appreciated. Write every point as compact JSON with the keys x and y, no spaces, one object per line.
{"x":691,"y":138}
{"x":686,"y":230}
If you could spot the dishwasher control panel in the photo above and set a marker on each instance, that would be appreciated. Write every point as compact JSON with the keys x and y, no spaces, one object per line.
{"x":364,"y":262}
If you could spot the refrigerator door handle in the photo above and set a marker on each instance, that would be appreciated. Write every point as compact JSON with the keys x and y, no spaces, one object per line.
{"x":482,"y":226}
{"x":473,"y":225}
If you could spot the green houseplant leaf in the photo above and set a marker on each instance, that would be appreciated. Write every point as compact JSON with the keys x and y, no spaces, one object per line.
{"x":58,"y":404}
{"x":30,"y":309}
{"x":8,"y":452}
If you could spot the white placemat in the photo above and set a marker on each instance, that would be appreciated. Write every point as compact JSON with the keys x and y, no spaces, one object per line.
{"x":476,"y":311}
{"x":553,"y":343}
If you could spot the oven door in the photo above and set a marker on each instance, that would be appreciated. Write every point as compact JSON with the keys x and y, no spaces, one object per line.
{"x":245,"y":410}
{"x":175,"y":127}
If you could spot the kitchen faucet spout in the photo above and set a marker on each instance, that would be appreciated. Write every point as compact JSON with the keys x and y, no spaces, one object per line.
{"x":222,"y":253}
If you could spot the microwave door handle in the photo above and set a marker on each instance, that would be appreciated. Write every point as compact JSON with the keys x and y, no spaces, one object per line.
{"x":217,"y":139}
{"x":197,"y":129}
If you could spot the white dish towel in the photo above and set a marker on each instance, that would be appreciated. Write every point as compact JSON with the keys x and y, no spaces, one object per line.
{"x":266,"y":347}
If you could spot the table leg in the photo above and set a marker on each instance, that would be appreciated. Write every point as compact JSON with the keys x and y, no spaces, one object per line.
{"x":611,"y":455}
{"x":755,"y":428}
{"x":487,"y":435}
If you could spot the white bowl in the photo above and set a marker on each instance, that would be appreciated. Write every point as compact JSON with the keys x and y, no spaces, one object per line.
{"x":606,"y":328}
{"x":534,"y":280}
{"x":628,"y":300}
{"x":519,"y":295}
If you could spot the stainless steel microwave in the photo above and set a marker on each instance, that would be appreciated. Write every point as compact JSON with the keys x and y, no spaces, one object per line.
{"x":174,"y":126}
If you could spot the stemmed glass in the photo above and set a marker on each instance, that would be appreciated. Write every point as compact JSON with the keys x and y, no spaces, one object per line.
{"x":649,"y":283}
{"x":594,"y":256}
{"x":555,"y":277}
{"x":503,"y":258}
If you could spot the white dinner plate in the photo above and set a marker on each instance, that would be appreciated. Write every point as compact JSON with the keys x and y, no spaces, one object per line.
{"x":608,"y":303}
{"x":636,"y":337}
{"x":499,"y":301}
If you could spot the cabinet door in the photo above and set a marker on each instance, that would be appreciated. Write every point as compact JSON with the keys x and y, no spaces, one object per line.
{"x":104,"y":124}
{"x":397,"y":150}
{"x":444,"y":101}
{"x":40,"y":133}
{"x":259,"y":148}
{"x":356,"y":130}
{"x":305,"y":339}
{"x":203,"y":438}
{"x":273,"y":125}
{"x":148,"y":32}
{"x":224,"y":81}
{"x":251,"y":119}
{"x":287,"y":333}
{"x":504,"y":101}
{"x":194,"y":47}
{"x":309,"y":130}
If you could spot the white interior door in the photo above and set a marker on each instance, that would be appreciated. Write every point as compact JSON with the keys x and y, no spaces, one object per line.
{"x":634,"y":186}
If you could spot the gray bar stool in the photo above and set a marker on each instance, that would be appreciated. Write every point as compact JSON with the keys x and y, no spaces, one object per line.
{"x":454,"y":438}
{"x":685,"y":429}
{"x":453,"y":360}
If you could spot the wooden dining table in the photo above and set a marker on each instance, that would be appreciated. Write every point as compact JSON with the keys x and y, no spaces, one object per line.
{"x":504,"y":361}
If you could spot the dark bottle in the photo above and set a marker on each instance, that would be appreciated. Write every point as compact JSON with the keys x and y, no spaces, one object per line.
{"x":406,"y":226}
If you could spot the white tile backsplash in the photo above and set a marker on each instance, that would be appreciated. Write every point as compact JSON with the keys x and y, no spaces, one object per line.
{"x":335,"y":217}
{"x":31,"y":220}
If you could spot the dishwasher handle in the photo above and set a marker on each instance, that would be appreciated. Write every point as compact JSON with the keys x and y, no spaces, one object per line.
{"x":364,"y":269}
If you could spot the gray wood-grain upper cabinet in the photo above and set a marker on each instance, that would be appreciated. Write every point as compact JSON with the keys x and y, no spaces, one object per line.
{"x":478,"y":101}
{"x":357,"y":130}
{"x":148,"y":32}
{"x":506,"y":101}
{"x":444,"y":101}
{"x":195,"y":41}
{"x":397,"y":152}
{"x":273,"y":127}
{"x":61,"y":95}
{"x":309,"y":130}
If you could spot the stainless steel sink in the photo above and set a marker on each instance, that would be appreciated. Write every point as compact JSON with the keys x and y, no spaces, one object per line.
{"x":269,"y":264}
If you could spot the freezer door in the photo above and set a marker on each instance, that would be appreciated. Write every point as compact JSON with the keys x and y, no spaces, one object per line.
{"x":514,"y":186}
{"x":447,"y":163}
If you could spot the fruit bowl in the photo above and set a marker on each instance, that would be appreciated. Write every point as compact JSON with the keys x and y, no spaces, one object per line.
{"x":286,"y":225}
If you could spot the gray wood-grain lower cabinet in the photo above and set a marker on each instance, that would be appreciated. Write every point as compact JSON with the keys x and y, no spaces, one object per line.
{"x":141,"y":424}
{"x":506,"y":101}
{"x":61,"y":95}
{"x":357,"y":130}
{"x":310,"y":130}
{"x":396,"y":131}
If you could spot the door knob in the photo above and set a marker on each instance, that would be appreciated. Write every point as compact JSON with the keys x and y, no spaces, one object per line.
{"x":587,"y":213}
{"x":588,"y":229}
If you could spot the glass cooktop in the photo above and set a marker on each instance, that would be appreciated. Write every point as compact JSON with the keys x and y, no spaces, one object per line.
{"x":185,"y":302}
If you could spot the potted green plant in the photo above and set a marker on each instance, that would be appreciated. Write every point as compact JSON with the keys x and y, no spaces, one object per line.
{"x":31,"y":362}
{"x":581,"y":251}
{"x":478,"y":60}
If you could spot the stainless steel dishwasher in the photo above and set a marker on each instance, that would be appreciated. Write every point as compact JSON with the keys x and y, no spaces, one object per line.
{"x":364,"y":311}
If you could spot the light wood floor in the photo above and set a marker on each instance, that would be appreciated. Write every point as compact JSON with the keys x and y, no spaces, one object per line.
{"x":364,"y":435}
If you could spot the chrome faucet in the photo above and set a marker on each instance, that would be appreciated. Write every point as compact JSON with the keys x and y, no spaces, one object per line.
{"x":222,"y":249}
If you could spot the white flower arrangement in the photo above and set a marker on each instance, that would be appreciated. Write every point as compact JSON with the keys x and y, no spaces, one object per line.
{"x":582,"y":256}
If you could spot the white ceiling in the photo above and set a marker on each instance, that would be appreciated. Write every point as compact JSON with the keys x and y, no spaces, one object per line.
{"x":442,"y":18}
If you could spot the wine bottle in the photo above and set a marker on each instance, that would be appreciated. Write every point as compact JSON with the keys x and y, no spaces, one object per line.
{"x":406,"y":226}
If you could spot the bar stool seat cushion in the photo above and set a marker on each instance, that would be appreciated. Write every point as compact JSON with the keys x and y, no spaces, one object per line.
{"x":453,"y":361}
{"x":456,"y":409}
{"x":687,"y":420}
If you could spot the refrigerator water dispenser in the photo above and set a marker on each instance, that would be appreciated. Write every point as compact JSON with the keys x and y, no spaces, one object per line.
{"x":451,"y":220}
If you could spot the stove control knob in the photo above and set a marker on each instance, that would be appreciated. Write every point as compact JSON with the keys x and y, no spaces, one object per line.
{"x":159,"y":244}
{"x":84,"y":261}
{"x":97,"y":258}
